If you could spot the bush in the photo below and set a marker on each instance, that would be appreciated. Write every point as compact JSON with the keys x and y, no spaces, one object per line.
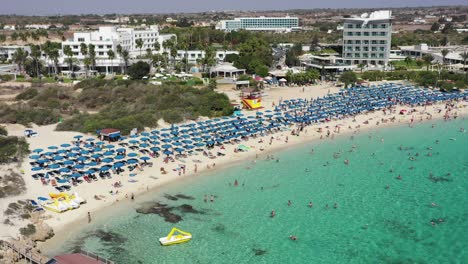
{"x":138,"y":70}
{"x":11,"y":148}
{"x":29,"y":93}
{"x":3,"y":131}
{"x":29,"y":230}
{"x":7,"y":77}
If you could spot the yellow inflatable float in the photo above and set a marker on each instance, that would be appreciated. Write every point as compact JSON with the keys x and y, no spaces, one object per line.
{"x":172,"y":238}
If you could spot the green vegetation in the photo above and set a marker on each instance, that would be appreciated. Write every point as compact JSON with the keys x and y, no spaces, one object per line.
{"x":3,"y":131}
{"x":30,"y":93}
{"x":139,"y":70}
{"x":12,"y":149}
{"x":29,"y":230}
{"x":348,"y":77}
{"x":128,"y":104}
{"x":303,"y":78}
{"x":446,"y":80}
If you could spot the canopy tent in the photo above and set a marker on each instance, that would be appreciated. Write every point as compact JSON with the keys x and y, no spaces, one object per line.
{"x":110,"y":134}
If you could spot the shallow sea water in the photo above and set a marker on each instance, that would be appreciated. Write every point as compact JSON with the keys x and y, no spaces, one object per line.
{"x":371,"y":224}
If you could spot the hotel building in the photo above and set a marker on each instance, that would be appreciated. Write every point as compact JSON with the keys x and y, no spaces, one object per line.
{"x":367,"y":39}
{"x":281,"y":24}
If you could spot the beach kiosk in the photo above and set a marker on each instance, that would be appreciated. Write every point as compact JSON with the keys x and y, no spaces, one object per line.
{"x":251,"y":99}
{"x":109,"y":134}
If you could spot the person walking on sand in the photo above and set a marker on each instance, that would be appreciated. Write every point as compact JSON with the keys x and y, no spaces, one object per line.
{"x":89,"y":217}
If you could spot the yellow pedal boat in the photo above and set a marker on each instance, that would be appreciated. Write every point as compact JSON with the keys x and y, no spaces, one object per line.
{"x":175,"y":238}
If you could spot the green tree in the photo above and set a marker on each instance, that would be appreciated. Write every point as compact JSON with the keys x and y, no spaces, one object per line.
{"x":361,"y":66}
{"x":261,"y":70}
{"x":36,"y":55}
{"x":348,"y":77}
{"x":149,"y":53}
{"x":444,"y":53}
{"x":19,"y":57}
{"x":125,"y":57}
{"x":69,"y":53}
{"x":139,"y":44}
{"x":119,"y":51}
{"x":139,"y":70}
{"x":157,"y":46}
{"x":111,"y":56}
{"x":92,"y":55}
{"x":427,"y":58}
{"x":464,"y":56}
{"x":408,"y":60}
{"x":212,"y":84}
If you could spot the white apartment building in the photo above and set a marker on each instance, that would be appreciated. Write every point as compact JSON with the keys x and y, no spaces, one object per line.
{"x":367,"y":39}
{"x":285,"y":24}
{"x":194,"y":55}
{"x":108,"y":38}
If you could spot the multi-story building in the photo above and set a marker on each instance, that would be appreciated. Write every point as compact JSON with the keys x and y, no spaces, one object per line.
{"x":262,"y":23}
{"x":367,"y":39}
{"x":108,"y":38}
{"x":194,"y":55}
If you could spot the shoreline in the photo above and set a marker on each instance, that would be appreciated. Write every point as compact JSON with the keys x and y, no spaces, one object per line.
{"x":235,"y":159}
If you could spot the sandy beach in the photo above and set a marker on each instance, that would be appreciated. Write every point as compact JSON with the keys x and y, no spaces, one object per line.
{"x":150,"y":179}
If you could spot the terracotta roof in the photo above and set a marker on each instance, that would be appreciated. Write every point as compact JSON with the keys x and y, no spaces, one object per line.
{"x":75,"y":259}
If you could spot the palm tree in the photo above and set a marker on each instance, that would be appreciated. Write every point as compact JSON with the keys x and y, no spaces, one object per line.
{"x":87,"y":61}
{"x":119,"y":51}
{"x":19,"y":57}
{"x":46,"y":47}
{"x":125,"y":57}
{"x":69,"y":53}
{"x":84,"y":49}
{"x":444,"y":53}
{"x":408,"y":60}
{"x":139,"y":44}
{"x":149,"y":53}
{"x":92,"y":55}
{"x":35,"y":55}
{"x":428,"y":58}
{"x":111,"y":56}
{"x":157,"y":46}
{"x":54,"y":56}
{"x":361,"y":66}
{"x":464,"y":56}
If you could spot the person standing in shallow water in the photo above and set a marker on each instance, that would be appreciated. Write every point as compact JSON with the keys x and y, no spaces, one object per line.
{"x":89,"y":217}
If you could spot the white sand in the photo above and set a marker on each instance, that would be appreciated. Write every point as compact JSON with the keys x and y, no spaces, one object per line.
{"x":47,"y":136}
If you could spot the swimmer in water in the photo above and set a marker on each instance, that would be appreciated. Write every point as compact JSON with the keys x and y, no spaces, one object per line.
{"x":311,"y":205}
{"x":335,"y":206}
{"x":272,"y":214}
{"x":387,"y":187}
{"x":236,"y":183}
{"x":346,"y":162}
{"x":399,"y":177}
{"x":293,"y":238}
{"x":289,"y":203}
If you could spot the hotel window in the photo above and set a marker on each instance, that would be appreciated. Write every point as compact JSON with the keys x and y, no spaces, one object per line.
{"x":349,"y":55}
{"x":358,"y":42}
{"x":383,"y":42}
{"x":109,"y":46}
{"x":75,"y":53}
{"x":80,"y":39}
{"x":366,"y":42}
{"x":357,"y":55}
{"x":374,"y":25}
{"x":374,"y":48}
{"x":349,"y":42}
{"x":358,"y":33}
{"x":101,"y":53}
{"x":383,"y":26}
{"x":383,"y":33}
{"x":357,"y":48}
{"x":381,"y":55}
{"x":365,"y":55}
{"x":374,"y":42}
{"x":366,"y":48}
{"x":350,"y":33}
{"x":75,"y":47}
{"x":382,"y":48}
{"x":366,"y":33}
{"x":358,"y":26}
{"x":100,"y":46}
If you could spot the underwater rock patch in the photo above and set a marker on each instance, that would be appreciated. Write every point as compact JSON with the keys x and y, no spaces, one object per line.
{"x":259,"y":252}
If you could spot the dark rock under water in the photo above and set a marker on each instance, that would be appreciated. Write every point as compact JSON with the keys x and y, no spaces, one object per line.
{"x":259,"y":252}
{"x":183,"y":196}
{"x":166,"y":211}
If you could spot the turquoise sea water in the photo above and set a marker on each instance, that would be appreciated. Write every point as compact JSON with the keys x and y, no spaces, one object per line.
{"x":372,"y":224}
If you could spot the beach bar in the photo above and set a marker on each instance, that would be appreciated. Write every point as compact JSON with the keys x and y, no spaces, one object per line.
{"x":110,"y":134}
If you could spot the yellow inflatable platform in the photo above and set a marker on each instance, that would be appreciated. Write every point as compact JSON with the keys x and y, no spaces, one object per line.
{"x":172,"y":238}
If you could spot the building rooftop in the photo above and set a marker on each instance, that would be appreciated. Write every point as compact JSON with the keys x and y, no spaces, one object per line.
{"x":376,"y":15}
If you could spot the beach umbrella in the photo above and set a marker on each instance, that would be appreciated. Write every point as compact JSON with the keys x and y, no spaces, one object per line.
{"x":90,"y":171}
{"x":145,"y":158}
{"x":52,"y":147}
{"x":199,"y":144}
{"x":132,"y":174}
{"x":154,"y":132}
{"x":144,"y":145}
{"x":68,"y":162}
{"x":105,"y":168}
{"x":36,"y":168}
{"x":155,"y":142}
{"x":76,"y":175}
{"x":61,"y":151}
{"x":155,"y":149}
{"x":180,"y":150}
{"x":119,"y":157}
{"x":38,"y":150}
{"x":132,"y":154}
{"x":90,"y":139}
{"x":132,"y":161}
{"x":166,"y":140}
{"x":166,"y":146}
{"x":108,"y":153}
{"x":58,"y":157}
{"x":189,"y":147}
{"x":144,"y":139}
{"x":78,"y":166}
{"x":53,"y":166}
{"x":100,"y":143}
{"x":82,"y":158}
{"x":133,"y":141}
{"x":146,"y":134}
{"x":167,"y":152}
{"x":118,"y":165}
{"x":107,"y":160}
{"x":177,"y":143}
{"x":64,"y":170}
{"x":34,"y":157}
{"x":78,"y":136}
{"x":62,"y":181}
{"x":154,"y":137}
{"x":66,"y":145}
{"x":84,"y":151}
{"x":88,"y":145}
{"x":91,"y":164}
{"x":186,"y":141}
{"x":95,"y":156}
